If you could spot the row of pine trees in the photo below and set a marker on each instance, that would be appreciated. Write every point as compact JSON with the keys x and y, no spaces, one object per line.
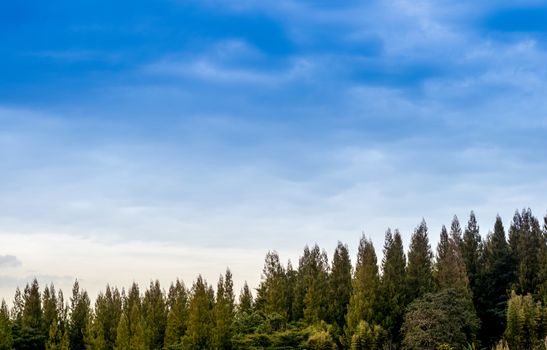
{"x":472,"y":293}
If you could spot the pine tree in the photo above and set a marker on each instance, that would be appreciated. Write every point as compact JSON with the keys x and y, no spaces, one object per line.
{"x":245,"y":304}
{"x":272,"y":292}
{"x":133,"y":299}
{"x":224,"y":311}
{"x":339,"y":285}
{"x":363,"y":304}
{"x":456,"y":231}
{"x":291,"y":289}
{"x":419,"y":270}
{"x":123,"y":334}
{"x":525,"y":242}
{"x":392,"y":286}
{"x":471,"y":249}
{"x":311,"y":285}
{"x":17,"y":318}
{"x":108,"y":308}
{"x":138,"y":339}
{"x":541,"y":291}
{"x":450,"y":267}
{"x":177,"y":318}
{"x":200,"y":316}
{"x":50,"y":316}
{"x":493,"y":285}
{"x":6,"y":340}
{"x":33,"y":336}
{"x":155,"y":316}
{"x":79,"y":317}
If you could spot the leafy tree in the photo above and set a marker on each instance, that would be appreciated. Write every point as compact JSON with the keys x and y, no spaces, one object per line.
{"x":320,"y":339}
{"x":177,"y":317}
{"x":368,"y":337}
{"x":339,"y":286}
{"x":200,"y":316}
{"x":392,"y":286}
{"x":363,"y":303}
{"x":526,"y":321}
{"x":443,"y":318}
{"x":419,"y":269}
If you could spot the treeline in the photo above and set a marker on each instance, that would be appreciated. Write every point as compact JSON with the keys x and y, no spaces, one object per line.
{"x":471,"y":294}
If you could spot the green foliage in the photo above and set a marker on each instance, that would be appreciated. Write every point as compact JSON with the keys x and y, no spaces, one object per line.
{"x":6,"y":340}
{"x":292,"y":307}
{"x":123,"y":333}
{"x":320,"y":340}
{"x":311,"y":286}
{"x":450,"y":267}
{"x":446,"y":317}
{"x":420,"y":265}
{"x":339,"y":286}
{"x":525,"y":240}
{"x":224,"y":312}
{"x":368,"y":337}
{"x":245,"y":304}
{"x":200,"y":316}
{"x":493,"y":285}
{"x":526,"y":322}
{"x":364,"y":298}
{"x":108,"y":309}
{"x":392,"y":287}
{"x":273,"y":291}
{"x":154,"y":313}
{"x":177,"y":317}
{"x":542,"y":271}
{"x":79,"y":317}
{"x":471,"y":250}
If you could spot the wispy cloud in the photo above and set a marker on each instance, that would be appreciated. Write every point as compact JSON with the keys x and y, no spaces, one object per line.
{"x":9,"y":261}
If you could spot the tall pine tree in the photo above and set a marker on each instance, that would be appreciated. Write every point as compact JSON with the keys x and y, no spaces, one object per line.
{"x":450,"y":267}
{"x":363,"y":304}
{"x":224,"y":312}
{"x":200,"y":316}
{"x":339,"y":285}
{"x":80,"y":314}
{"x":471,"y":249}
{"x":419,"y":270}
{"x":177,"y":317}
{"x":392,"y":286}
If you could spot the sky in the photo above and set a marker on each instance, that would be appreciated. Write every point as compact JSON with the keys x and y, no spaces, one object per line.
{"x":143,"y":140}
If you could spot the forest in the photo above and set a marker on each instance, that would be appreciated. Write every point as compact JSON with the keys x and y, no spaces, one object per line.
{"x":471,"y":292}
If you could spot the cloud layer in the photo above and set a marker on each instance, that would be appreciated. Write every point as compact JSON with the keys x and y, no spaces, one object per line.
{"x":231,"y":128}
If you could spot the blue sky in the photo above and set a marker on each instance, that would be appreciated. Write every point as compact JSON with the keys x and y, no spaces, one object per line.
{"x":167,"y":138}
